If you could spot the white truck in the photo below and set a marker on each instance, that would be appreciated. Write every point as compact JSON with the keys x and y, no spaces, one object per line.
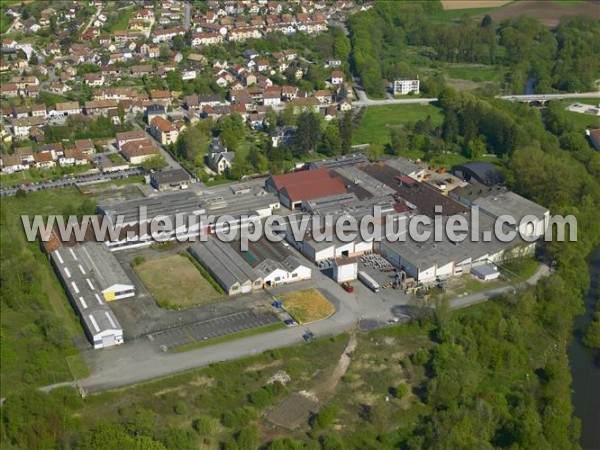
{"x":368,"y":281}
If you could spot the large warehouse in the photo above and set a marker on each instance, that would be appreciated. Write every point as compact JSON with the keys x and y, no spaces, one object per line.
{"x":265,"y":264}
{"x":92,"y":276}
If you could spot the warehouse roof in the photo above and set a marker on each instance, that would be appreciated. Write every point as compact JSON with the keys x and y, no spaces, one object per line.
{"x":167,"y":204}
{"x":170,"y":176}
{"x":430,"y":253}
{"x":300,"y":177}
{"x":84,"y":283}
{"x":509,"y":203}
{"x":314,"y":189}
{"x":226,"y":265}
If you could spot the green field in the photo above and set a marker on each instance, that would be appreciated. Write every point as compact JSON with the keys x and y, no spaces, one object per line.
{"x":121,"y":23}
{"x":477,"y":73}
{"x":38,"y":323}
{"x":374,"y":126}
{"x":183,"y":286}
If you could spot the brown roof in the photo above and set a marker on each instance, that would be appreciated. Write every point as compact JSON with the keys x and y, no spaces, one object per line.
{"x":163,"y":125}
{"x":131,"y":135}
{"x":310,"y":190}
{"x":43,"y":157}
{"x":304,"y":176}
{"x":154,"y":94}
{"x":84,"y":144}
{"x":139,"y":148}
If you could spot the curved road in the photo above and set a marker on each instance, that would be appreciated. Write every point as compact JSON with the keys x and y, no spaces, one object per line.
{"x":139,"y":360}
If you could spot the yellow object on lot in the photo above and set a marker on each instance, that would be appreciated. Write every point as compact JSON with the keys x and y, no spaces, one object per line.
{"x":307,"y":306}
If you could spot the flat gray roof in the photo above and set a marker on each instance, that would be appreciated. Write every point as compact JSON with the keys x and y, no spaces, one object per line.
{"x":375,"y":187}
{"x":509,"y":203}
{"x":403,"y":165}
{"x":103,"y":264}
{"x":223,"y":262}
{"x":429,"y":253}
{"x":340,"y":161}
{"x":163,"y":204}
{"x":171,"y":176}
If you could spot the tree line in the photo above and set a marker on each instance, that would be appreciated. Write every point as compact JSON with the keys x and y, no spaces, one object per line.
{"x":560,"y":59}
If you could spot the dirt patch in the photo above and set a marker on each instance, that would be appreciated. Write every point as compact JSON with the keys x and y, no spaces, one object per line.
{"x":470,"y":4}
{"x":307,"y":306}
{"x":296,"y":409}
{"x":548,"y":13}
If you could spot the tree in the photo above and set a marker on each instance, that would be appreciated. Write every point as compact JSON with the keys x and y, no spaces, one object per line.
{"x":53,"y":26}
{"x":486,"y":22}
{"x":308,"y":135}
{"x":374,"y":151}
{"x":231,"y":130}
{"x":204,"y":425}
{"x":163,"y":52}
{"x":401,"y":390}
{"x":121,"y":113}
{"x":156,"y":162}
{"x":332,"y":141}
{"x":398,"y":140}
{"x":174,"y":81}
{"x":346,"y":130}
{"x":248,"y":438}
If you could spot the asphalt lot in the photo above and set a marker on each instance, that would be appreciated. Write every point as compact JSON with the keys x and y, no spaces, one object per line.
{"x":208,"y":329}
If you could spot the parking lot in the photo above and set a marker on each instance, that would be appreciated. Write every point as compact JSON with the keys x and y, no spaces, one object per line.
{"x":211,"y":328}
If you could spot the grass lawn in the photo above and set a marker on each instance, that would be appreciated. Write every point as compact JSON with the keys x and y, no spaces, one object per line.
{"x":476,"y":72}
{"x":307,"y":306}
{"x":122,"y":22}
{"x":374,"y":126}
{"x":31,"y":176}
{"x":231,"y":337}
{"x":28,"y":357}
{"x":176,"y":283}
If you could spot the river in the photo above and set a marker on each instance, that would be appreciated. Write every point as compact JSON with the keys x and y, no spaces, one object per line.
{"x":585,"y":367}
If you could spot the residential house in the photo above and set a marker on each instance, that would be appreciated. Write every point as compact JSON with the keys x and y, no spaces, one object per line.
{"x":136,"y":152}
{"x":163,"y":131}
{"x":337,"y":77}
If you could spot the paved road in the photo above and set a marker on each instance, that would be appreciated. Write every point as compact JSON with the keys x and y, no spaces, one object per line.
{"x":551,"y":96}
{"x":363,"y":100}
{"x":89,"y":24}
{"x":141,"y":360}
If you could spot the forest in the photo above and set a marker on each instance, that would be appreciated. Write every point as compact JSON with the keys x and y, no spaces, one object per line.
{"x":385,"y":37}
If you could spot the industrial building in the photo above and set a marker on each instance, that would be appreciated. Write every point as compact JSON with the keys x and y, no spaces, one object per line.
{"x":91,"y":277}
{"x":168,"y":180}
{"x":265,"y":264}
{"x":295,"y":187}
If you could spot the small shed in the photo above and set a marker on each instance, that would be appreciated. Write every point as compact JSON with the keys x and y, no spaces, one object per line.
{"x":486,"y":272}
{"x":345,"y":269}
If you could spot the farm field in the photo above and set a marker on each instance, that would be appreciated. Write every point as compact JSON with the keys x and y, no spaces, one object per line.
{"x":375,"y":124}
{"x":470,"y":4}
{"x":548,"y":13}
{"x":307,"y":306}
{"x":175,"y":282}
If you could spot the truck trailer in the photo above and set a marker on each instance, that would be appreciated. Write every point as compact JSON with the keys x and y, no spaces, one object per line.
{"x":368,"y":281}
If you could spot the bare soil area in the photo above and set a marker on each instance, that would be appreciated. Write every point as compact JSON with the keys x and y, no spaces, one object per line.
{"x":470,"y":4}
{"x":548,"y":13}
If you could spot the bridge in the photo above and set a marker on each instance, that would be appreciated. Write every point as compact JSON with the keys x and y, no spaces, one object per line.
{"x":541,"y":99}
